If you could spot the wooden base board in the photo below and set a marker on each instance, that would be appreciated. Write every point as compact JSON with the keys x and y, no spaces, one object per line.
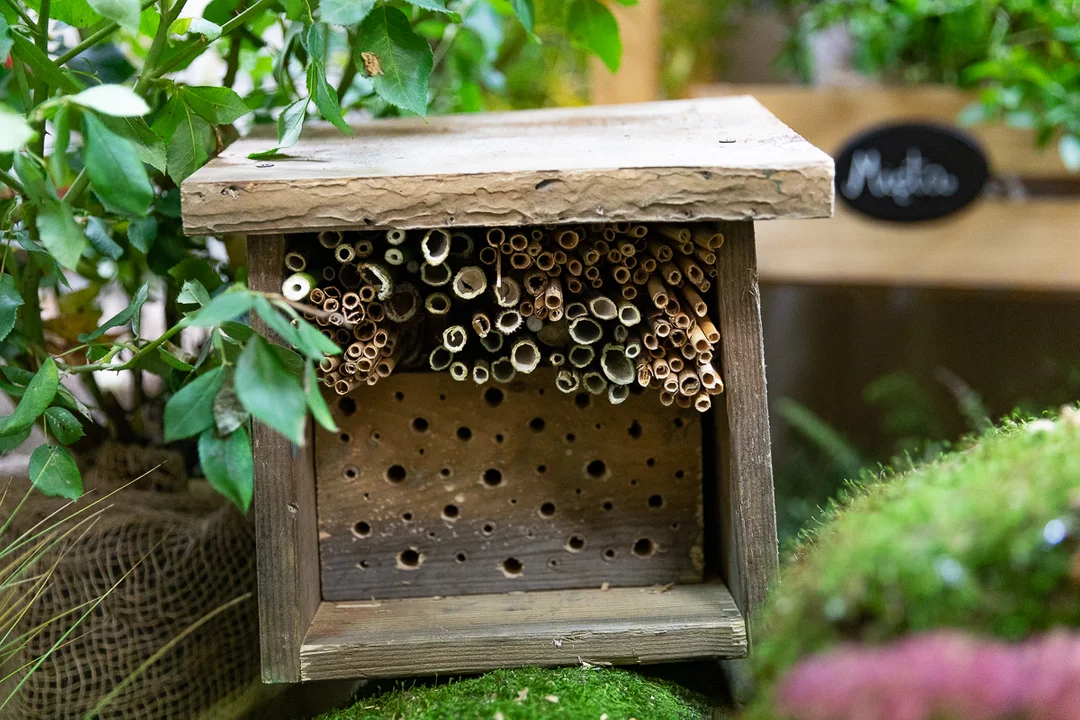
{"x":477,"y":633}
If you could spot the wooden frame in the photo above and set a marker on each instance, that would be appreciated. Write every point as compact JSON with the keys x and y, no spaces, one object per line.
{"x":720,"y":161}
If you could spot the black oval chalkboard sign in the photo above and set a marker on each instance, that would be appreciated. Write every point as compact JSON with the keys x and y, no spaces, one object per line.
{"x":910,"y":172}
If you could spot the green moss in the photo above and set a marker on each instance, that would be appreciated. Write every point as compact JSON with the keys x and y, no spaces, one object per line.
{"x":571,"y":693}
{"x":962,"y":542}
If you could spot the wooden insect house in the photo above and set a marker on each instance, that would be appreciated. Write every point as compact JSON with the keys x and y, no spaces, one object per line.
{"x":553,"y":444}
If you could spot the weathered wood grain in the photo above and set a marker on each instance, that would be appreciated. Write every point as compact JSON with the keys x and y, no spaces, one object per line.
{"x":286,"y":535}
{"x":624,"y":626}
{"x":654,"y":162}
{"x":747,"y":505}
{"x":497,"y":473}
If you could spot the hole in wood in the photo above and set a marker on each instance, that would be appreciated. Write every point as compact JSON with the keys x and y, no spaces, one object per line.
{"x":570,"y":437}
{"x":445,"y":472}
{"x":493,"y":397}
{"x":396,"y":474}
{"x":512,"y":567}
{"x":361,"y":529}
{"x":635,"y":430}
{"x":609,"y":554}
{"x":399,"y":396}
{"x":410,"y":559}
{"x":576,"y":543}
{"x":651,"y":462}
{"x":432,"y":534}
{"x":541,"y":469}
{"x":656,"y":501}
{"x":489,"y":527}
{"x":351,"y":472}
{"x":674,"y":526}
{"x":407,"y":516}
{"x":582,"y":400}
{"x":344,"y":437}
{"x":608,"y":506}
{"x":376,"y":436}
{"x":633,"y":482}
{"x":493,"y":477}
{"x":536,"y":424}
{"x":363,"y":564}
{"x":499,"y":438}
{"x":553,"y":563}
{"x":464,"y":433}
{"x":461,"y":558}
{"x":644,"y":547}
{"x":679,"y":474}
{"x":420,"y":425}
{"x":547,"y":510}
{"x":420,"y":450}
{"x":450,"y":512}
{"x":347,"y":406}
{"x":596,"y":468}
{"x":679,"y":422}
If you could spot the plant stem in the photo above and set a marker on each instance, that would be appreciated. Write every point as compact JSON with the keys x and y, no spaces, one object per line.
{"x":196,"y":46}
{"x":12,"y":183}
{"x":157,"y":46}
{"x":23,"y":15}
{"x":94,"y":39}
{"x":233,"y":63}
{"x":43,"y":26}
{"x":135,"y":358}
{"x":78,"y":185}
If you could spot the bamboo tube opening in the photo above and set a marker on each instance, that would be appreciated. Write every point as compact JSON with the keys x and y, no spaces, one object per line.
{"x":330,"y":238}
{"x":481,"y":372}
{"x":459,"y":371}
{"x":440,"y":358}
{"x":496,"y":236}
{"x":329,"y":273}
{"x":435,"y":246}
{"x":525,"y":355}
{"x":403,"y":304}
{"x":297,"y":286}
{"x":616,"y":366}
{"x":594,"y":383}
{"x":295,"y":262}
{"x":376,"y":311}
{"x":363,"y":248}
{"x":585,"y":330}
{"x":518,"y":242}
{"x":461,"y":245}
{"x":618,"y":394}
{"x":395,"y":236}
{"x":508,"y":321}
{"x":521,"y":261}
{"x":493,"y":341}
{"x":581,"y":356}
{"x":469,"y":282}
{"x":525,"y":309}
{"x":437,"y":303}
{"x":502,"y":370}
{"x":567,"y":381}
{"x":435,"y":275}
{"x":454,"y":338}
{"x":481,"y":324}
{"x":344,"y":254}
{"x":508,"y":294}
{"x":365,"y":331}
{"x":488,"y":255}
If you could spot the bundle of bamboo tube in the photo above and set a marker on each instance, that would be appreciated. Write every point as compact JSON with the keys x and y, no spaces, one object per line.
{"x":611,"y":307}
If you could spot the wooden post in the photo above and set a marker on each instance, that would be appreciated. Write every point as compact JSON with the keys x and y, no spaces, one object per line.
{"x":638,"y":78}
{"x":285,"y":525}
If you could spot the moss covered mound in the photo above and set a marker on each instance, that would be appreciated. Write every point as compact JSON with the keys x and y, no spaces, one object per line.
{"x":535,"y":694}
{"x":986,"y":539}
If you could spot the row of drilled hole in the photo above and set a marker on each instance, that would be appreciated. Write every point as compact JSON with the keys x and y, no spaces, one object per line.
{"x":493,"y":396}
{"x":492,"y":477}
{"x":412,"y":559}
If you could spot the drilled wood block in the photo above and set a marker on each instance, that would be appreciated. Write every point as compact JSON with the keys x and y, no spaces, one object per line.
{"x":435,"y":487}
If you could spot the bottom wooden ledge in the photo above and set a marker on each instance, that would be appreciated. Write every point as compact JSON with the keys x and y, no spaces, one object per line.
{"x":475,"y":633}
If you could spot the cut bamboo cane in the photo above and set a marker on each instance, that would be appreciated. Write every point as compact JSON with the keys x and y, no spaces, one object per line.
{"x":621,"y":275}
{"x":672,"y":274}
{"x":614,"y":257}
{"x":658,"y":293}
{"x":365,"y":331}
{"x":437,"y":303}
{"x":435,"y":246}
{"x":557,"y":359}
{"x":328,"y":363}
{"x":459,"y":371}
{"x":689,"y":382}
{"x":707,"y":373}
{"x":620,"y":333}
{"x":461,"y":245}
{"x":711,"y":333}
{"x":660,"y":328}
{"x":376,"y":311}
{"x":331,"y":304}
{"x":706,"y":256}
{"x":295,"y":261}
{"x":534,"y":248}
{"x":567,"y":380}
{"x":521,"y":261}
{"x":518,"y":242}
{"x":496,"y":237}
{"x":681,"y":321}
{"x":553,"y":296}
{"x":688,"y":351}
{"x":618,"y":394}
{"x":367,"y":293}
{"x":403,"y":304}
{"x":660,"y":368}
{"x":671,"y":383}
{"x":297,"y":286}
{"x":585,"y":331}
{"x":705,"y":356}
{"x":540,"y":311}
{"x":493,"y":341}
{"x":581,"y":356}
{"x":378,"y":276}
{"x":435,"y":275}
{"x":627,"y":250}
{"x":691,"y":270}
{"x":702,"y":402}
{"x":698,"y":340}
{"x":395,"y":236}
{"x":536,"y":282}
{"x":545,"y":261}
{"x":502,"y":370}
{"x":440,"y":358}
{"x":350,"y":300}
{"x":469,"y":282}
{"x":364,"y":249}
{"x":616,"y":367}
{"x":481,"y":372}
{"x":594,"y":383}
{"x":567,"y":239}
{"x":633,"y":347}
{"x":349,"y":277}
{"x":684,"y":401}
{"x":454,"y":338}
{"x":575,"y":310}
{"x":344,"y":254}
{"x":489,"y":255}
{"x":525,"y":309}
{"x":676,"y":364}
{"x":573,"y":286}
{"x":505,"y":248}
{"x":628,"y":313}
{"x":508,"y":321}
{"x":644,"y":373}
{"x":649,"y":340}
{"x":508,"y":294}
{"x":629,"y":292}
{"x":590,"y":257}
{"x":525,"y":355}
{"x":661,"y":251}
{"x":372,"y":351}
{"x":481,"y":325}
{"x":329,"y":274}
{"x":398,"y":256}
{"x":355,"y":351}
{"x":601,"y":307}
{"x":693,"y":301}
{"x":638,"y":231}
{"x":330,"y":238}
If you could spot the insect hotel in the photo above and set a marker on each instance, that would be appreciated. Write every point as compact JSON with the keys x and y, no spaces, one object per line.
{"x":553,"y":444}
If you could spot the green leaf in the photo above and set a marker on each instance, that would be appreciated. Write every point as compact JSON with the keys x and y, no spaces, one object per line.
{"x":113,"y":100}
{"x":525,"y":12}
{"x":64,"y":426}
{"x":59,"y":232}
{"x":277,"y":322}
{"x":224,"y":307}
{"x":593,"y":28}
{"x":116,"y":174}
{"x":237,"y":332}
{"x":53,"y":471}
{"x":325,"y":97}
{"x":174,"y":362}
{"x":10,"y":302}
{"x":44,"y":68}
{"x":315,"y":400}
{"x":314,"y":342}
{"x":1069,"y":150}
{"x":189,"y":138}
{"x":345,"y":12}
{"x":399,"y":61}
{"x":61,"y":135}
{"x":10,"y":442}
{"x":124,"y":13}
{"x":37,"y":396}
{"x":131,"y":314}
{"x":436,"y":5}
{"x":142,"y":232}
{"x":191,"y":409}
{"x":199,"y":26}
{"x":269,"y":391}
{"x":193,"y":293}
{"x":150,"y":147}
{"x":5,"y":37}
{"x":14,"y":130}
{"x":229,"y":412}
{"x":227,"y":464}
{"x":289,"y":125}
{"x":98,"y":235}
{"x":219,"y":105}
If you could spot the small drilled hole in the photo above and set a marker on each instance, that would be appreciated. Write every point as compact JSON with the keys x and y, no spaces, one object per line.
{"x":635,"y":430}
{"x":633,"y":482}
{"x":420,"y":424}
{"x":493,"y":397}
{"x":347,"y":406}
{"x":344,"y":437}
{"x":432,"y":534}
{"x":609,"y":554}
{"x":553,"y":563}
{"x":361,"y":529}
{"x":365,"y":564}
{"x":407,"y":516}
{"x":651,"y":462}
{"x":576,"y":543}
{"x":450,"y":512}
{"x":399,"y":396}
{"x":547,"y":510}
{"x":445,"y":472}
{"x":420,"y":450}
{"x":512,"y":567}
{"x":608,"y":506}
{"x":376,"y":436}
{"x":513,"y":501}
{"x":577,"y":491}
{"x":656,"y":501}
{"x":644,"y":547}
{"x":499,"y":438}
{"x":596,"y":468}
{"x":541,"y":469}
{"x":351,"y":472}
{"x":461,"y":557}
{"x":409,"y":559}
{"x":679,"y":474}
{"x":597,"y":426}
{"x":464,"y":433}
{"x":536,"y":424}
{"x":492,"y":477}
{"x":396,"y":474}
{"x":442,"y":397}
{"x":679,"y":422}
{"x":674,"y":526}
{"x":570,"y":437}
{"x":582,"y":400}
{"x":488,"y":528}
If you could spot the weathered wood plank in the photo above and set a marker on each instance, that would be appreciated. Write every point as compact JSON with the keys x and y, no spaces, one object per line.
{"x":418,"y":636}
{"x":449,"y":488}
{"x":676,"y":161}
{"x":747,"y":505}
{"x":285,"y":523}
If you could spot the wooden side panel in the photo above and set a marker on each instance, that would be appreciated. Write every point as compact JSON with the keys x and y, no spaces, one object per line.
{"x":623,"y":626}
{"x":438,"y":487}
{"x":285,"y":524}
{"x":747,"y":505}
